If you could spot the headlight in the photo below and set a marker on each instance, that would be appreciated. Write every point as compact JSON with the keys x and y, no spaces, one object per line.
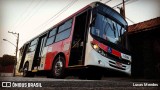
{"x":95,"y":46}
{"x":98,"y":49}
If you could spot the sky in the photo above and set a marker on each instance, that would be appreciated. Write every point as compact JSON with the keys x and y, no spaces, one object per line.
{"x":32,"y":17}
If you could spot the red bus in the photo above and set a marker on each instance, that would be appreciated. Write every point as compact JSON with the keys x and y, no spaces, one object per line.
{"x":95,"y":36}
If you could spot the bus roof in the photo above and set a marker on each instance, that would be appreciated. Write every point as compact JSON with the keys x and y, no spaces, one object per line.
{"x":91,"y":5}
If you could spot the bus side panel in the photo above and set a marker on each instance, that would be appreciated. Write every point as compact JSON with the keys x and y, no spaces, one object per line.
{"x":61,"y":46}
{"x":88,"y":49}
{"x":19,"y":65}
{"x":53,"y":50}
{"x":21,"y":61}
{"x":51,"y":53}
{"x":29,"y":57}
{"x":43,"y":59}
{"x":67,"y":44}
{"x":66,"y":49}
{"x":22,"y":55}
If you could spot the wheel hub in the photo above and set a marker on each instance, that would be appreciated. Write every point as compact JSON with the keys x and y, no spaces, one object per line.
{"x":58,"y":67}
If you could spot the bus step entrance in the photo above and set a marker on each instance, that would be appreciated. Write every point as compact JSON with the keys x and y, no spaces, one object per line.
{"x":80,"y":62}
{"x":35,"y":69}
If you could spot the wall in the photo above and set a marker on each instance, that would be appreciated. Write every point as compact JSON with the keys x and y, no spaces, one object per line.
{"x":6,"y":70}
{"x":146,"y":51}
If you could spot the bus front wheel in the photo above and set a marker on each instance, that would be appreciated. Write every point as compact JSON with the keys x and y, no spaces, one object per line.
{"x":58,"y":67}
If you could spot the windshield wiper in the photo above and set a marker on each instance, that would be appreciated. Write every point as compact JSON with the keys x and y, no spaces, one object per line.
{"x":114,"y":29}
{"x":120,"y":31}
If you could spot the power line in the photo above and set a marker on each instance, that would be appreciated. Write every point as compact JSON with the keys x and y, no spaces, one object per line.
{"x":30,"y":11}
{"x":125,"y":16}
{"x":120,"y":3}
{"x":130,"y":20}
{"x":33,"y":13}
{"x":65,"y":9}
{"x":22,"y":14}
{"x":107,"y":1}
{"x":56,"y":15}
{"x":130,"y":2}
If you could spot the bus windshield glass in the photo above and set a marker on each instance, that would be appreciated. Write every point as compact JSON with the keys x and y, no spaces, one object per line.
{"x":107,"y":29}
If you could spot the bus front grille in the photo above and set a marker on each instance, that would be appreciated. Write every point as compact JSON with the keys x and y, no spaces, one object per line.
{"x":113,"y":64}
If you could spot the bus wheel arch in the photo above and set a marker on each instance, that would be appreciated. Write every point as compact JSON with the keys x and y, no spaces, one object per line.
{"x":27,"y":73}
{"x":25,"y":69}
{"x":58,"y":66}
{"x":60,"y":54}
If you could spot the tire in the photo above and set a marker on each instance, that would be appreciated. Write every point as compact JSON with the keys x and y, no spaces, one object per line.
{"x":27,"y":73}
{"x":58,"y":68}
{"x":25,"y":70}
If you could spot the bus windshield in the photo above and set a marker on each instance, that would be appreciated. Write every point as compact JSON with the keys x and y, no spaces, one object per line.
{"x":107,"y":29}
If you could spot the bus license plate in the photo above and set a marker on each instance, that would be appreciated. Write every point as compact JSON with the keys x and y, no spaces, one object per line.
{"x":118,"y":64}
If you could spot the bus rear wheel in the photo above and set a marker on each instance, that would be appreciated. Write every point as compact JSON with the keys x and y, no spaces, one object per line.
{"x":58,"y":67}
{"x":25,"y":70}
{"x":26,"y":73}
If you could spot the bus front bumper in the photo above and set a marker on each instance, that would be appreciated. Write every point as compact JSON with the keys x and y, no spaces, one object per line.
{"x":96,"y":59}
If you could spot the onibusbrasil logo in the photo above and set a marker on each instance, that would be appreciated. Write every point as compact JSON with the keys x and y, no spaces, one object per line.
{"x":20,"y":84}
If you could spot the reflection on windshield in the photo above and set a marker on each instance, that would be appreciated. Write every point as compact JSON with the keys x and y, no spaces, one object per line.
{"x":107,"y":29}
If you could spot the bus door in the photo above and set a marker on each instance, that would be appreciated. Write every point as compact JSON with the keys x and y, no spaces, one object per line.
{"x":39,"y":50}
{"x":22,"y":56}
{"x":78,"y":47}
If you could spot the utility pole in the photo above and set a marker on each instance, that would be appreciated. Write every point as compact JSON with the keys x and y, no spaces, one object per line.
{"x":122,"y":10}
{"x":17,"y":41}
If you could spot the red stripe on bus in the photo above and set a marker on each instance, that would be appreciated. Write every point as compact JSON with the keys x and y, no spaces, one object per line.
{"x":116,"y":53}
{"x":105,"y":48}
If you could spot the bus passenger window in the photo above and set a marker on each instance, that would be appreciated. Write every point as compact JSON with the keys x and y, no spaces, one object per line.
{"x":53,"y":32}
{"x":51,"y":36}
{"x":65,"y":26}
{"x":50,"y":40}
{"x":33,"y":45}
{"x":32,"y":48}
{"x":63,"y":35}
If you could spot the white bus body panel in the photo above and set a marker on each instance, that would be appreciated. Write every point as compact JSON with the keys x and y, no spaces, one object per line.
{"x":43,"y":59}
{"x":29,"y":57}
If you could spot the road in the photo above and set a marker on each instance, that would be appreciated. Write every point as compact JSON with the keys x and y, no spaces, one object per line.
{"x":71,"y":83}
